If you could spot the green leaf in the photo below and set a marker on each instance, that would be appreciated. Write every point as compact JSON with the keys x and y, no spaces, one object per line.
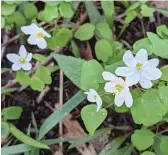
{"x":26,"y":139}
{"x":36,"y":83}
{"x":130,"y":16}
{"x":142,"y":139}
{"x":43,"y":74}
{"x":93,"y":13}
{"x":30,"y":10}
{"x":162,"y":31}
{"x":2,"y":22}
{"x":53,"y":69}
{"x":8,"y":90}
{"x":4,"y":129}
{"x":15,"y":149}
{"x":147,"y":11}
{"x":59,"y":114}
{"x":162,"y":11}
{"x":71,"y":67}
{"x":147,"y":109}
{"x":18,"y":18}
{"x":103,"y":50}
{"x":40,"y":57}
{"x":75,"y":49}
{"x":134,"y":6}
{"x":104,"y":32}
{"x":91,"y":118}
{"x":11,"y":113}
{"x":91,"y":71}
{"x":148,"y":153}
{"x":156,"y":145}
{"x":8,"y":9}
{"x":111,"y":68}
{"x":65,"y":9}
{"x":164,"y":70}
{"x":23,"y":78}
{"x":163,"y":145}
{"x":163,"y":93}
{"x":85,"y":32}
{"x":121,"y":109}
{"x":143,"y":43}
{"x":158,"y":44}
{"x":48,"y":14}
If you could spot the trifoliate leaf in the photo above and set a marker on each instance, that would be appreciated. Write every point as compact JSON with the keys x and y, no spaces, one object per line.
{"x":103,"y":50}
{"x":30,"y":10}
{"x":147,"y":11}
{"x":91,"y":118}
{"x":8,"y":9}
{"x":65,"y":9}
{"x":23,"y":78}
{"x":36,"y":84}
{"x":163,"y":145}
{"x":85,"y":32}
{"x":142,"y":139}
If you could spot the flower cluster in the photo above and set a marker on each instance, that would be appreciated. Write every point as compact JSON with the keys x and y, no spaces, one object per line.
{"x":138,"y":70}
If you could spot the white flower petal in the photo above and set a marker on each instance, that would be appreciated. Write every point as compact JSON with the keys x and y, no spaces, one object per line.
{"x":41,"y":43}
{"x":13,"y":57}
{"x":152,"y":63}
{"x":99,"y":103}
{"x":145,"y":83}
{"x":129,"y":59}
{"x":119,"y":100}
{"x":31,"y":29}
{"x":29,"y":57}
{"x":151,"y":73}
{"x":141,"y":56}
{"x":16,"y":66}
{"x":45,"y":33}
{"x":108,"y":87}
{"x":26,"y":66}
{"x":22,"y":52}
{"x":91,"y":95}
{"x":125,"y":71}
{"x":128,"y":100}
{"x":133,"y":79}
{"x":109,"y":76}
{"x":32,"y":40}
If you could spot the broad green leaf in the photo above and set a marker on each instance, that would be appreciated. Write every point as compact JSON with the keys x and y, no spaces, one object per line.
{"x":15,"y":149}
{"x":53,"y":69}
{"x":103,"y":50}
{"x":104,"y":32}
{"x":59,"y":114}
{"x":134,"y":6}
{"x":75,"y":49}
{"x":8,"y":90}
{"x":40,"y":57}
{"x":158,"y":44}
{"x":36,"y":83}
{"x":4,"y":129}
{"x":121,"y":109}
{"x":164,"y":70}
{"x":91,"y":118}
{"x":163,"y":93}
{"x":12,"y":112}
{"x":149,"y":103}
{"x":142,"y":139}
{"x":23,"y":78}
{"x":147,"y":11}
{"x":2,"y":22}
{"x":130,"y":16}
{"x":162,"y":31}
{"x":163,"y":145}
{"x":156,"y":145}
{"x":65,"y":9}
{"x":53,"y":3}
{"x":111,"y":68}
{"x":3,"y":70}
{"x":49,"y":13}
{"x":43,"y":74}
{"x":85,"y":32}
{"x":91,"y":75}
{"x":71,"y":67}
{"x":18,"y":18}
{"x":8,"y":9}
{"x":143,"y":43}
{"x":148,"y":153}
{"x":93,"y":13}
{"x":30,"y":10}
{"x":26,"y":139}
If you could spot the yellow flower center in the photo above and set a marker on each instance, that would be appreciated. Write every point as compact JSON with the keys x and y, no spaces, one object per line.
{"x":95,"y":97}
{"x":22,"y":60}
{"x":118,"y":88}
{"x":139,"y":66}
{"x":40,"y":35}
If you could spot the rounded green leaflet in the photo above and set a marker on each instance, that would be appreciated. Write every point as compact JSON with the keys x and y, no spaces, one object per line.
{"x":163,"y":93}
{"x":148,"y":153}
{"x":85,"y":32}
{"x":147,"y":11}
{"x":4,"y":129}
{"x":30,"y":10}
{"x":8,"y":9}
{"x":121,"y":109}
{"x":91,"y":118}
{"x":103,"y":50}
{"x":36,"y":84}
{"x":164,"y":145}
{"x":40,"y":57}
{"x":23,"y":78}
{"x":164,"y":71}
{"x":162,"y":31}
{"x":2,"y":22}
{"x":142,"y":139}
{"x":65,"y":9}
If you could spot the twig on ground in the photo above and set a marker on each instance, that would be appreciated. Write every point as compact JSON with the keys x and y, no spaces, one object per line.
{"x":42,"y":94}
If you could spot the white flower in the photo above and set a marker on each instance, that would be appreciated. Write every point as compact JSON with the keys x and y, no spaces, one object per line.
{"x":93,"y":96}
{"x":20,"y":60}
{"x":139,"y":69}
{"x":118,"y":87}
{"x":37,"y":35}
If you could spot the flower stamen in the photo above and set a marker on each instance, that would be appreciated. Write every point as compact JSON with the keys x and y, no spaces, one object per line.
{"x":40,"y":35}
{"x":139,"y":66}
{"x":22,"y":60}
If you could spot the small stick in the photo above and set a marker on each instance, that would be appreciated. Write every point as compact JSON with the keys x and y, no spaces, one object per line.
{"x":42,"y":94}
{"x":6,"y":38}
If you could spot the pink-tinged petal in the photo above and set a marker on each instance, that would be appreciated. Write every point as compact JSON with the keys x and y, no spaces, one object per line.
{"x":151,"y":73}
{"x":22,"y":51}
{"x":133,"y":79}
{"x":29,"y":57}
{"x":26,"y":66}
{"x":129,"y":59}
{"x":109,"y":76}
{"x":16,"y":66}
{"x":13,"y":57}
{"x":128,"y":100}
{"x":31,"y":29}
{"x":145,"y":83}
{"x":141,"y":56}
{"x":125,"y":71}
{"x":152,"y":63}
{"x":119,"y":100}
